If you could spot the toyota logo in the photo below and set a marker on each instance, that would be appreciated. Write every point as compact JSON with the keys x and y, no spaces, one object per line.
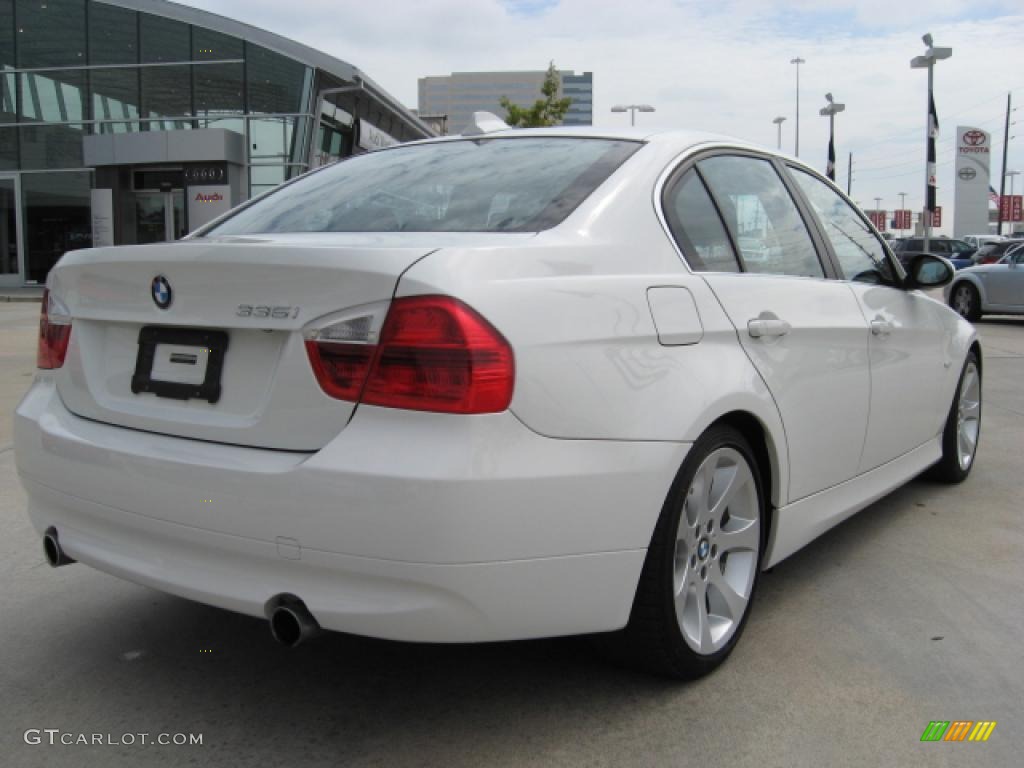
{"x":974,"y":138}
{"x":161,"y":290}
{"x":967,"y":173}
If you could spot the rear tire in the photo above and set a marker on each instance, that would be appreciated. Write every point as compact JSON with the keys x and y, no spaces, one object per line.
{"x":966,"y":302}
{"x":702,"y":568}
{"x":963,"y":427}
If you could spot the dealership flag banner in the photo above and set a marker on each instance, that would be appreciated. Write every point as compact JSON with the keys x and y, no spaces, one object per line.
{"x":831,"y":169}
{"x":933,"y":134}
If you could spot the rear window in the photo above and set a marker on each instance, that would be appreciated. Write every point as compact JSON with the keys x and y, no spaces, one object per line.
{"x":481,"y":185}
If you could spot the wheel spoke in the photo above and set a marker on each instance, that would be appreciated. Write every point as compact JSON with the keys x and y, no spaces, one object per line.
{"x":971,"y":409}
{"x":734,"y":602}
{"x":705,"y":641}
{"x":747,"y":537}
{"x":734,"y":483}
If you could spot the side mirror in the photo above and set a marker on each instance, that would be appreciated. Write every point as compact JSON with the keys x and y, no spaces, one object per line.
{"x":928,"y":271}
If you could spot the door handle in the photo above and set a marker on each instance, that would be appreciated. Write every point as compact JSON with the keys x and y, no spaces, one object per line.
{"x":761,"y":327}
{"x":881,"y":327}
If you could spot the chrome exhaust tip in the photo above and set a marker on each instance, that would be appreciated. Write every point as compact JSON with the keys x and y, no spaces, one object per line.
{"x":55,"y":556}
{"x":290,"y":621}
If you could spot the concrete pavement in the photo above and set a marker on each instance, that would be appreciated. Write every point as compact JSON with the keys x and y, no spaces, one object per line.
{"x":909,"y":612}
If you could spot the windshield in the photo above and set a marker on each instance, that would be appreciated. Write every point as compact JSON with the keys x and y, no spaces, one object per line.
{"x":481,"y":185}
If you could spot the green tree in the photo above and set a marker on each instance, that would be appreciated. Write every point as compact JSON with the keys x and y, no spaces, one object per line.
{"x":547,"y":111}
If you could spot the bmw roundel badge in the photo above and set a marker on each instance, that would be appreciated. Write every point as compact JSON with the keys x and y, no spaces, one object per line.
{"x":161,"y":290}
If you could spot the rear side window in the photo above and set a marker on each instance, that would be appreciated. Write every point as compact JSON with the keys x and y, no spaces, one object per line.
{"x":480,"y":185}
{"x":761,"y":215}
{"x":694,"y":223}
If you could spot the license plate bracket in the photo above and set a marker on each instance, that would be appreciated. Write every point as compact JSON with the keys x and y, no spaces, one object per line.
{"x":209,"y":344}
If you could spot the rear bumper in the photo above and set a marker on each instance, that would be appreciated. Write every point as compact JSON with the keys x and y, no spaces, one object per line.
{"x":407,"y":526}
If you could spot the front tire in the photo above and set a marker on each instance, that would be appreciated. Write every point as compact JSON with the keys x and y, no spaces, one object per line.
{"x":966,"y":302}
{"x":702,"y":568}
{"x":963,"y":427}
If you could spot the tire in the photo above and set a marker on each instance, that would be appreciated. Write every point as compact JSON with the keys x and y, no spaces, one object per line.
{"x":965,"y":301}
{"x":713,"y":572}
{"x":963,"y":427}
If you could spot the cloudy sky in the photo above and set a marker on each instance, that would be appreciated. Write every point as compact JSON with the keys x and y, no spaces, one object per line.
{"x":720,"y":65}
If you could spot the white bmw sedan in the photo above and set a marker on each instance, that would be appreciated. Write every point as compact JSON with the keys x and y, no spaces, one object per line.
{"x":505,"y":385}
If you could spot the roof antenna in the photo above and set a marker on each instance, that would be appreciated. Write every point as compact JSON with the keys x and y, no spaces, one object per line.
{"x":484,"y":122}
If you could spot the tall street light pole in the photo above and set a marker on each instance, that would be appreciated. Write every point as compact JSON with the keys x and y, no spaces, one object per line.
{"x":903,"y":204}
{"x":632,"y":109}
{"x":798,"y":61}
{"x":931,"y":55}
{"x":830,"y":111}
{"x":778,"y":122}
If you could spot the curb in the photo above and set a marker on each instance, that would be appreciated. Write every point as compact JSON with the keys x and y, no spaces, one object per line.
{"x":26,"y":299}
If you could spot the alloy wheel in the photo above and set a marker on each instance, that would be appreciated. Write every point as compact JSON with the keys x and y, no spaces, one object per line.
{"x":968,"y":420}
{"x":717,"y":553}
{"x":963,"y":301}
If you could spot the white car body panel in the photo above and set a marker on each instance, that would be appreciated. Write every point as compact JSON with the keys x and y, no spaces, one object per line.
{"x":423,"y":526}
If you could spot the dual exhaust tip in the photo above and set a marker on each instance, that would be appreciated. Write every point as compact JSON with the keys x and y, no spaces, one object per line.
{"x":291,"y":622}
{"x":55,"y":555}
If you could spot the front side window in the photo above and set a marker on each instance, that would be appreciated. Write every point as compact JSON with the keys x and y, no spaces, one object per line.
{"x":761,"y":215}
{"x":481,"y":185}
{"x":861,"y":255}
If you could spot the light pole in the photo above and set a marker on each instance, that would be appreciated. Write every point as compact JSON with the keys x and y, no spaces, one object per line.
{"x":830,"y":111}
{"x":903,"y":206}
{"x":1010,"y":175}
{"x":798,"y":61}
{"x":778,"y":122}
{"x":931,"y":55}
{"x":632,"y":109}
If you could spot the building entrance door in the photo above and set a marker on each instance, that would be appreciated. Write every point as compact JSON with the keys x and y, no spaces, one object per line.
{"x":10,"y":232}
{"x":159,"y":216}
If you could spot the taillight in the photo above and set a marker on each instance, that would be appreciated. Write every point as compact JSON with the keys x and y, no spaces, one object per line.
{"x":433,"y":353}
{"x":54,"y":332}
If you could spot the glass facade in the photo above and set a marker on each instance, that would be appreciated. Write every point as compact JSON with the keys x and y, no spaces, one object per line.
{"x":74,"y":68}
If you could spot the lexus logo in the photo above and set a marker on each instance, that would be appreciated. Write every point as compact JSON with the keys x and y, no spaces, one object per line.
{"x":161,"y":290}
{"x":974,"y":138}
{"x":967,"y":173}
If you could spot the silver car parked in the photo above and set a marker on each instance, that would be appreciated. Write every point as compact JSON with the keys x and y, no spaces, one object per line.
{"x":990,"y":288}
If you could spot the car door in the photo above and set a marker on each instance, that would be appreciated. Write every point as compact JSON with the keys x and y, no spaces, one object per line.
{"x":1004,"y":282}
{"x":804,"y":332}
{"x":908,"y":342}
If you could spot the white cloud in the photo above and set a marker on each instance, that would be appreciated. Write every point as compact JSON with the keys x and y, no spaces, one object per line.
{"x":715,"y":66}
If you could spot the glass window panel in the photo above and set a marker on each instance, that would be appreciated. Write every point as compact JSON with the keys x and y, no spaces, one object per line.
{"x":218,"y":89}
{"x":270,"y":139}
{"x":7,"y":33}
{"x":762,"y":217}
{"x":860,"y":253}
{"x":261,"y":175}
{"x":8,"y":228}
{"x":57,"y":217}
{"x":163,"y":39}
{"x":51,"y":146}
{"x":51,"y":33}
{"x":166,"y":91}
{"x":8,"y":91}
{"x":276,"y":83}
{"x":208,"y":45}
{"x":697,"y":228}
{"x":8,"y":148}
{"x":53,"y":96}
{"x":113,"y":35}
{"x":115,"y":95}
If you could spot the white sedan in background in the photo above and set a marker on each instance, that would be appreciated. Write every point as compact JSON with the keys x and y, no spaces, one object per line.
{"x":990,"y":288}
{"x":502,"y":385}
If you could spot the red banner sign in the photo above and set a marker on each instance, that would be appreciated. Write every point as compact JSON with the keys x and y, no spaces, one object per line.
{"x":901,"y":219}
{"x":877,"y":219}
{"x":937,"y":216}
{"x":1017,"y":208}
{"x":1004,"y":208}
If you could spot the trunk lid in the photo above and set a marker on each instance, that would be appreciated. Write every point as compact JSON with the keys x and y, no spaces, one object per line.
{"x":268,"y":394}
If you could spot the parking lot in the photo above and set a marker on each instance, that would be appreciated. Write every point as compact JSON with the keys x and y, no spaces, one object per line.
{"x":909,"y":612}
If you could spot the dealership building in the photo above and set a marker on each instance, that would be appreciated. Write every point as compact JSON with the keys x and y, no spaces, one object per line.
{"x":136,"y":121}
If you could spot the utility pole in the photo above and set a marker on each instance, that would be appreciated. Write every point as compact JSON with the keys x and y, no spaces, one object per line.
{"x":849,"y":176}
{"x":1002,"y":176}
{"x":798,"y":61}
{"x":903,"y":205}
